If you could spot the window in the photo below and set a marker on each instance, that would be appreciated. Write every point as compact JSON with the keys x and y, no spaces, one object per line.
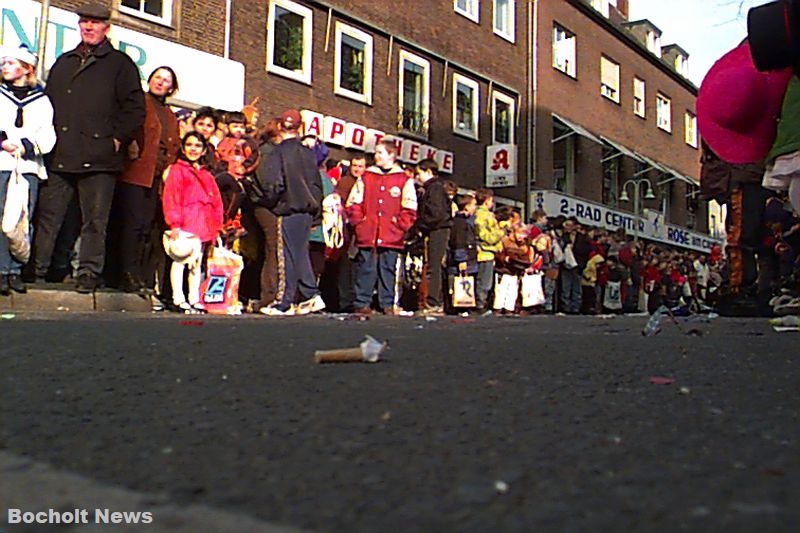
{"x":503,"y":118}
{"x":414,"y":93}
{"x":654,"y":43}
{"x":690,"y":128}
{"x":682,"y":65}
{"x":638,"y":97}
{"x":609,"y":79}
{"x":664,"y":113}
{"x":564,"y":45}
{"x":692,"y":205}
{"x":504,"y":19}
{"x":611,"y":163}
{"x":289,"y":40}
{"x":352,"y":75}
{"x":468,"y":8}
{"x":466,"y":99}
{"x":154,"y":10}
{"x":601,"y":6}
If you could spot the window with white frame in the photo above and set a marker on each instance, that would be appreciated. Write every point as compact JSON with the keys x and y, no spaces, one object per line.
{"x":466,"y":101}
{"x":602,"y":6}
{"x":654,"y":43}
{"x":564,"y":50}
{"x":682,"y":65}
{"x":289,"y":28}
{"x":638,"y":97}
{"x":352,"y":75}
{"x":468,"y":8}
{"x":504,"y":19}
{"x":690,"y":128}
{"x":503,"y":118}
{"x":664,"y":113}
{"x":414,"y":105}
{"x":609,"y":78}
{"x":154,"y":10}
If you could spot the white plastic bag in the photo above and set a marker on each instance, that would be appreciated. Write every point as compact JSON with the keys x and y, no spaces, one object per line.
{"x":16,"y":226}
{"x":506,"y":288}
{"x":464,"y":291}
{"x":569,"y":258}
{"x":612,"y":297}
{"x":532,"y":291}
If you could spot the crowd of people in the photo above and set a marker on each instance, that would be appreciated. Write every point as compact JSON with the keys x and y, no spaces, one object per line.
{"x":138,"y":196}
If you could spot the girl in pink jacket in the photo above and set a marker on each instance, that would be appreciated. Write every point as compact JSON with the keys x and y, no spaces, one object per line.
{"x":193,"y":211}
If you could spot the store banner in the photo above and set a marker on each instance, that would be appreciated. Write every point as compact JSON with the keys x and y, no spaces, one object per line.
{"x":651,"y":223}
{"x":20,"y":25}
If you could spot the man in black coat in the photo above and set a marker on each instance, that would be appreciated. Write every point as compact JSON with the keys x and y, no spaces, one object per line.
{"x":98,"y":107}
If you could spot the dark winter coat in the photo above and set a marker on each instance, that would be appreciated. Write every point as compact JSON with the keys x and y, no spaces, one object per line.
{"x":463,"y":245}
{"x":289,"y":177}
{"x":434,"y":210}
{"x":95,"y":101}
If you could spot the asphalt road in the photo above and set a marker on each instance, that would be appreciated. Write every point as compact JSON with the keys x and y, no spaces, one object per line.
{"x":485,"y":424}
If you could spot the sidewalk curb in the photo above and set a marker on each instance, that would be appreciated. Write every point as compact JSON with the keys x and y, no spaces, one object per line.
{"x":61,"y":297}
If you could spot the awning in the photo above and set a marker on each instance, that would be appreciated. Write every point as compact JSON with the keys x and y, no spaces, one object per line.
{"x":623,"y":150}
{"x":653,"y":164}
{"x":580,"y":130}
{"x":675,"y":175}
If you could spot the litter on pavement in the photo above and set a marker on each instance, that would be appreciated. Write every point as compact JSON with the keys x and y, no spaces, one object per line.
{"x":368,"y":351}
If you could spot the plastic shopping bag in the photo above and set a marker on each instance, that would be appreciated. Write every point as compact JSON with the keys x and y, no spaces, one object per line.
{"x":15,"y":224}
{"x":220,"y":288}
{"x":464,"y":291}
{"x":532,"y":292}
{"x":612,"y":297}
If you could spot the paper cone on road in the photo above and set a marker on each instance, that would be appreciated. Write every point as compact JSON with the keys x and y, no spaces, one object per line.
{"x":368,"y":351}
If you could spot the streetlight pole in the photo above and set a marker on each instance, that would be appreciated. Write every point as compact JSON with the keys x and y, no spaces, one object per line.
{"x":648,"y":195}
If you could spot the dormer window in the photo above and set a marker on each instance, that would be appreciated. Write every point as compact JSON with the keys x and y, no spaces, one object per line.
{"x":601,"y":6}
{"x":654,"y":43}
{"x":682,"y":65}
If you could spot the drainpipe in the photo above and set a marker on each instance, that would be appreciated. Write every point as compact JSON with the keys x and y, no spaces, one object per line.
{"x":44,"y":18}
{"x":227,"y":51}
{"x":532,"y":92}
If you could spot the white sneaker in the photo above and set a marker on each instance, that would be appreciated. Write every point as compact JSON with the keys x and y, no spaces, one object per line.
{"x":312,"y":305}
{"x":274,"y":311}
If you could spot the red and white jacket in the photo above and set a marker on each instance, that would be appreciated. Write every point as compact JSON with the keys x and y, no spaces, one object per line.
{"x":191,"y":200}
{"x":382,"y":207}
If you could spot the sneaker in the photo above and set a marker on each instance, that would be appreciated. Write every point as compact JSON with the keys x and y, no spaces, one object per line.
{"x":274,"y":311}
{"x":437,"y":310}
{"x":790,"y":308}
{"x":397,"y":311}
{"x":88,"y":283}
{"x":156,"y":305}
{"x":312,"y":305}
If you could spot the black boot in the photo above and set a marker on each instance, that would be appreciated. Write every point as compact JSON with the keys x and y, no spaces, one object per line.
{"x":5,"y":289}
{"x":16,"y":283}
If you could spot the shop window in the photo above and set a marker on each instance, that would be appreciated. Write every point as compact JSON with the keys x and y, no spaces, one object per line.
{"x":353,"y":69}
{"x":638,"y":97}
{"x":289,"y":40}
{"x":690,"y":128}
{"x":503,"y":118}
{"x":564,"y":50}
{"x":609,"y":79}
{"x":466,"y":99}
{"x":611,"y":161}
{"x":414,"y":93}
{"x":664,"y":113}
{"x":468,"y":8}
{"x":504,"y":19}
{"x":692,"y":205}
{"x":154,"y":10}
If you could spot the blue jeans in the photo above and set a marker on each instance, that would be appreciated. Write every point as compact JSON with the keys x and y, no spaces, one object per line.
{"x":8,"y":264}
{"x":376,"y":265}
{"x":483,"y":283}
{"x":571,"y":292}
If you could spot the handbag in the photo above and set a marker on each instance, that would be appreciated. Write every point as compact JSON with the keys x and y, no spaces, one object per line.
{"x":15,"y":224}
{"x":220,"y":289}
{"x":532,"y":291}
{"x":464,"y":291}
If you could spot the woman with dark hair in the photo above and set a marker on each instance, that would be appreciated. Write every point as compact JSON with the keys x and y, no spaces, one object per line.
{"x":139,"y":185}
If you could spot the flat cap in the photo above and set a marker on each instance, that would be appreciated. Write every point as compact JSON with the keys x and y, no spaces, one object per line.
{"x":94,"y":11}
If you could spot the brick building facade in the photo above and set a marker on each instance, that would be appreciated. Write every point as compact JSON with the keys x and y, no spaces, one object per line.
{"x":456,"y":79}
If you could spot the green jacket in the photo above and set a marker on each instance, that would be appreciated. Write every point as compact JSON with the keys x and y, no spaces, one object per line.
{"x":489,"y":234}
{"x":787,"y":140}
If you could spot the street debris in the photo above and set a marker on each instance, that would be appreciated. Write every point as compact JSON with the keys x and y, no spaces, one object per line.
{"x":786,"y":321}
{"x":653,"y":326}
{"x":368,"y":351}
{"x":501,"y":486}
{"x":386,"y":416}
{"x":684,"y":390}
{"x":8,"y":316}
{"x":431,"y":319}
{"x":786,"y":329}
{"x":661,"y":380}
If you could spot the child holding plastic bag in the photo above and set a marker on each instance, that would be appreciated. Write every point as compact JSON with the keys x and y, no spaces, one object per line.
{"x":26,"y":135}
{"x":193,"y":211}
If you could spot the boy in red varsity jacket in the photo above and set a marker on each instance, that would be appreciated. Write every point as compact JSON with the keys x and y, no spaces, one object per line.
{"x":382,"y":206}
